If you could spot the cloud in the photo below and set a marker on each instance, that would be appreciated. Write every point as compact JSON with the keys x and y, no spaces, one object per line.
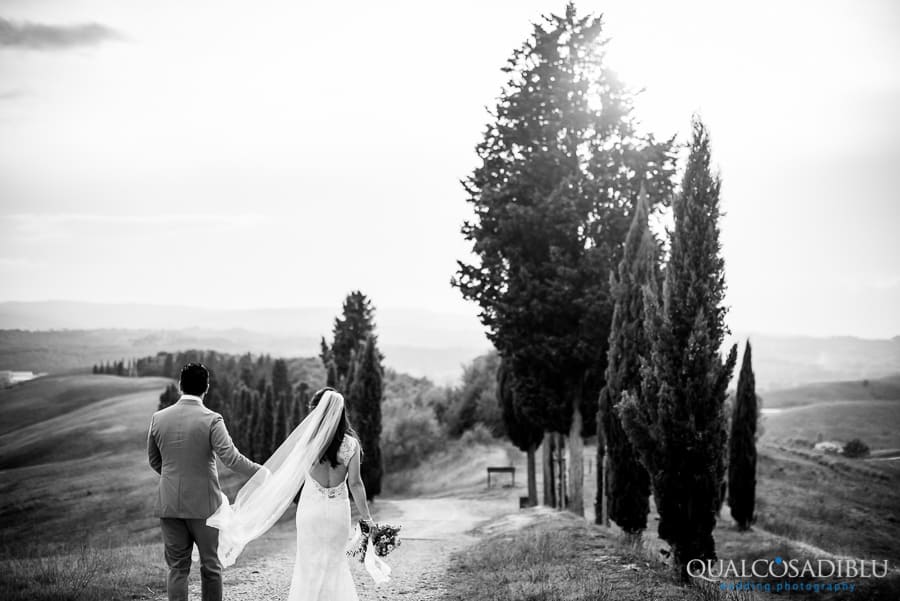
{"x":11,"y":94}
{"x":38,"y":36}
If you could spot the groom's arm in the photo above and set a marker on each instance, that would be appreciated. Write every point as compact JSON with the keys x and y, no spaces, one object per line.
{"x":153,"y":450}
{"x":224,"y":447}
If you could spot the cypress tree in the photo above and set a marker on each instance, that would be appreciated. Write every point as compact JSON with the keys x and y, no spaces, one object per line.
{"x":301,"y":400}
{"x":169,"y":366}
{"x":331,"y":377}
{"x":627,"y":482}
{"x":280,"y":382}
{"x":350,"y":332}
{"x":284,"y":420}
{"x":169,"y":396}
{"x":264,"y":434}
{"x":250,"y":420}
{"x":742,"y":447}
{"x":677,"y":423}
{"x":364,"y":403}
{"x":526,"y":435}
{"x":559,"y":165}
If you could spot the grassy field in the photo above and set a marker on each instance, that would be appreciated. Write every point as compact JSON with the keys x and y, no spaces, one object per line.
{"x":33,"y":402}
{"x":875,"y":422}
{"x":882,"y":389}
{"x":76,"y":517}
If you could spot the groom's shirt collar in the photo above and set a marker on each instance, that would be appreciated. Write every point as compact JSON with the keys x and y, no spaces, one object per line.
{"x":191,"y":397}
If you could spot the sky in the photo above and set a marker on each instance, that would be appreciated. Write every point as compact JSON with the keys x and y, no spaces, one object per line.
{"x":280,"y":154}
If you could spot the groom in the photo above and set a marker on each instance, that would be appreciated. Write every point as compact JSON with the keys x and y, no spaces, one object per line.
{"x":183,"y":441}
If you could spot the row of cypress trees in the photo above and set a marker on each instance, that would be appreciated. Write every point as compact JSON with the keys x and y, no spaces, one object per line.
{"x":663,"y":408}
{"x":562,"y":198}
{"x":260,"y":412}
{"x":262,"y":406}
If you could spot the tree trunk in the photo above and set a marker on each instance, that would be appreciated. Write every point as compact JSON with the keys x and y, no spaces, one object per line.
{"x":605,"y":508}
{"x":547,"y":470}
{"x":532,"y":479}
{"x":562,"y":492}
{"x":576,"y":463}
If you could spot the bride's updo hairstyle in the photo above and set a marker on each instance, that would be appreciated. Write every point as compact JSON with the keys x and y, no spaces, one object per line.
{"x":343,"y":427}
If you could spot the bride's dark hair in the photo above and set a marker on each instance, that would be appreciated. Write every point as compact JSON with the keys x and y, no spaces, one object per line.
{"x":344,"y":427}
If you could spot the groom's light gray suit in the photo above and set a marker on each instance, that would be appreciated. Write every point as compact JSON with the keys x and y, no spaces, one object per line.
{"x":182,"y":444}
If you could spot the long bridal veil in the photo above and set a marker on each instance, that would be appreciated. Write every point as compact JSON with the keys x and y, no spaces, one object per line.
{"x":264,"y":498}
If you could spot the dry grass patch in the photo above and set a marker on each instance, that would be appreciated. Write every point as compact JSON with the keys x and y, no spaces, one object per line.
{"x":83,"y":573}
{"x":557,"y":557}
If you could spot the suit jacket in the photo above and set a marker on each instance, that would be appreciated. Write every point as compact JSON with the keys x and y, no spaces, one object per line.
{"x":182,"y":445}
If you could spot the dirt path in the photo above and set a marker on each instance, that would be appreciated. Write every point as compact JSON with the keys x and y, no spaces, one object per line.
{"x":433,"y":529}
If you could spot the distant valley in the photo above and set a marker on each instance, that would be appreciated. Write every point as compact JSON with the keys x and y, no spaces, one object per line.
{"x":62,"y":336}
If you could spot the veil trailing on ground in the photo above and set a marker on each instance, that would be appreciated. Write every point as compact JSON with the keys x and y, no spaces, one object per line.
{"x":264,"y":498}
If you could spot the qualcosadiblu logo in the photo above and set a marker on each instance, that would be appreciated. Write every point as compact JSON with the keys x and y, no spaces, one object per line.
{"x":714,"y":570}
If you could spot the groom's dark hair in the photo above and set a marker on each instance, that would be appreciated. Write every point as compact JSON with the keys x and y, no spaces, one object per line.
{"x":194,"y":379}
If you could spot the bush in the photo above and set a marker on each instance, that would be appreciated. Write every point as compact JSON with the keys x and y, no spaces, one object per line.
{"x":856,"y":448}
{"x":410,"y":437}
{"x":478,"y":434}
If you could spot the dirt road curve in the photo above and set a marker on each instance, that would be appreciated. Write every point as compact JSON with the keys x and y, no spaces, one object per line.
{"x":433,"y":529}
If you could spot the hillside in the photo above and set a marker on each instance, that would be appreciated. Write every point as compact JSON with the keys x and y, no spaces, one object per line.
{"x":414,"y":341}
{"x":883,"y":389}
{"x":76,"y":466}
{"x":65,"y":351}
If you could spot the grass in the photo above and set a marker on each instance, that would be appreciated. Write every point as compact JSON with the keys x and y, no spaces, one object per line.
{"x":83,"y":573}
{"x":843,"y":505}
{"x":561,"y":558}
{"x":83,"y":472}
{"x":32,"y":402}
{"x":855,"y":390}
{"x":875,"y":422}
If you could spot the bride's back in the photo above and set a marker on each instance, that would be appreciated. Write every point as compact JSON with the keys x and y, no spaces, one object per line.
{"x":328,"y":475}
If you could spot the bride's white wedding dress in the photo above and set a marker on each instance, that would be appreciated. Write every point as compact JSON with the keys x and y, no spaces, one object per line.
{"x":321,"y":569}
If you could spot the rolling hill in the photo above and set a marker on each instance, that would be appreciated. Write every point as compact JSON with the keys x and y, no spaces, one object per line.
{"x":74,"y":463}
{"x":59,"y":336}
{"x":882,"y":389}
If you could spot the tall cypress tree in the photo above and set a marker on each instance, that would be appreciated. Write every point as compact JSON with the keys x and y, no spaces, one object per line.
{"x":283,"y":421}
{"x":678,"y":424}
{"x":331,"y":377}
{"x":264,"y":435}
{"x":253,"y":408}
{"x":280,"y":382}
{"x":742,"y":447}
{"x":301,"y":400}
{"x":350,"y":332}
{"x":364,"y":397}
{"x":560,"y":163}
{"x":627,"y":482}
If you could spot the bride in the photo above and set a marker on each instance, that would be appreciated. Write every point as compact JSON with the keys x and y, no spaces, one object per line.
{"x":324,"y":454}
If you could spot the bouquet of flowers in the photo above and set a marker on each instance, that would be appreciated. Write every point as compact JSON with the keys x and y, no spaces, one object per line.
{"x":384,"y":538}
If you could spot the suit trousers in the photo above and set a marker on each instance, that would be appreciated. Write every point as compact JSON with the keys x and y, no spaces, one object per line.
{"x":179,"y":536}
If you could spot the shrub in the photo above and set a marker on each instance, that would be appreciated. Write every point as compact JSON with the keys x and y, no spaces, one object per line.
{"x":477,"y":434}
{"x":409,"y":437}
{"x":856,"y":448}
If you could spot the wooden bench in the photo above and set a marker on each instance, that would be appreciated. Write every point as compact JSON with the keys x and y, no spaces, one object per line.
{"x":501,"y":470}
